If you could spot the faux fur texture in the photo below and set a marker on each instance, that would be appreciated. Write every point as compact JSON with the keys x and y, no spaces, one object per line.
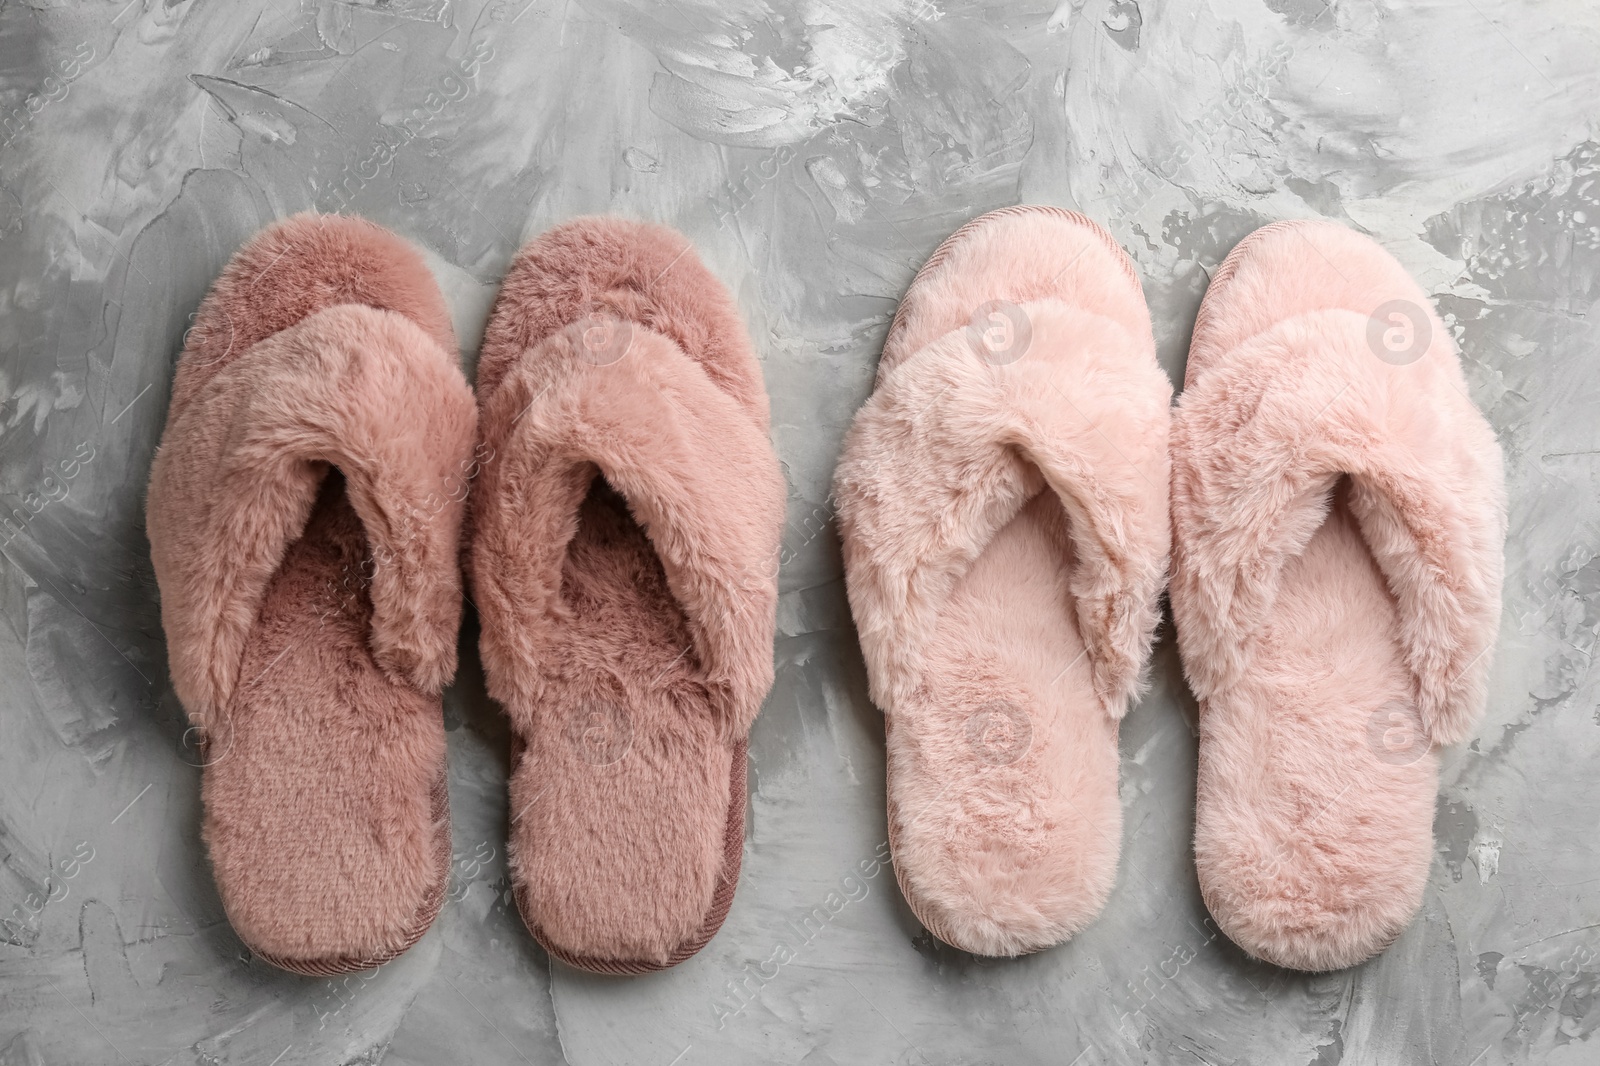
{"x":1338,"y":518}
{"x":311,"y":615}
{"x":994,"y":612}
{"x":624,"y":562}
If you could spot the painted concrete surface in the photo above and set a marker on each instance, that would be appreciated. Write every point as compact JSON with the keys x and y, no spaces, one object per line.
{"x":816,"y":151}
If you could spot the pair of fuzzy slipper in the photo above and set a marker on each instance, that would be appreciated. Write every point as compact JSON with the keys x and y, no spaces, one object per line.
{"x":1334,"y":507}
{"x":308,"y":514}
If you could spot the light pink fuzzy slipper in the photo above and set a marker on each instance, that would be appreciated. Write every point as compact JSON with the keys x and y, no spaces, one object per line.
{"x":1338,"y":522}
{"x":624,"y":563}
{"x":304,"y":516}
{"x":1003,"y":507}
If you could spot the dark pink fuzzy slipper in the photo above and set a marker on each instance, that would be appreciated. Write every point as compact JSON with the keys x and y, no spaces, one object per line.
{"x":624,"y":562}
{"x":304,"y":516}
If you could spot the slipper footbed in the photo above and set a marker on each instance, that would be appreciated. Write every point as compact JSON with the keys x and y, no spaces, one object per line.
{"x":322,"y":864}
{"x":1006,"y":828}
{"x":1313,"y":831}
{"x":637,"y":773}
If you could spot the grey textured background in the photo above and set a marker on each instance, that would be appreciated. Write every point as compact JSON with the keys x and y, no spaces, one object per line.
{"x":816,"y":151}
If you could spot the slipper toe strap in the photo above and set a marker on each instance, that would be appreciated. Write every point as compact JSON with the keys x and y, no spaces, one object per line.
{"x":949,"y":449}
{"x":1258,"y":442}
{"x":238,"y":472}
{"x":699,"y":475}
